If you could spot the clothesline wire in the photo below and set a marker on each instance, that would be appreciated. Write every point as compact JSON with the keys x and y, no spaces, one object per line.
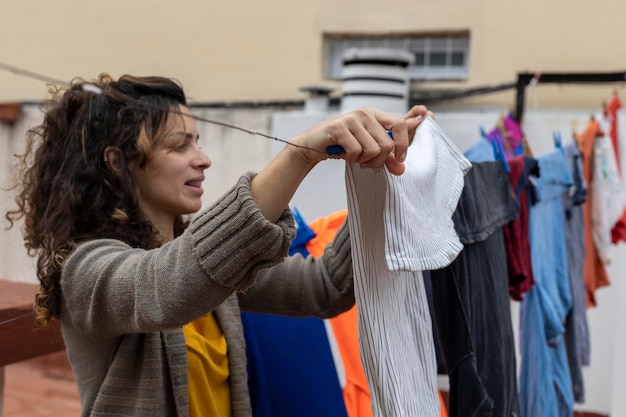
{"x":231,"y":126}
{"x":21,"y":316}
{"x":51,"y":80}
{"x":31,"y":74}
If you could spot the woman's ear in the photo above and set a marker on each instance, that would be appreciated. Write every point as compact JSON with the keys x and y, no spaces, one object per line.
{"x":113,"y":158}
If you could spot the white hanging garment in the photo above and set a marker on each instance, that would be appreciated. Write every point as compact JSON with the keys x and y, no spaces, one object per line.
{"x":399,"y":226}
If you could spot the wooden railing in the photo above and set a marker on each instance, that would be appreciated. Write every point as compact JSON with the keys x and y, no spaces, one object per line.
{"x":20,"y":337}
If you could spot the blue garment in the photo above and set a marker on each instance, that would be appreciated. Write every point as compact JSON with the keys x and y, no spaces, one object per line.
{"x":481,"y":151}
{"x":290,"y":367}
{"x":545,"y":381}
{"x":576,"y":326}
{"x":291,"y":371}
{"x":303,"y":235}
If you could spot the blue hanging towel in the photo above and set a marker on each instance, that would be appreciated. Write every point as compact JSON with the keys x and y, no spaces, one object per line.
{"x":291,"y":371}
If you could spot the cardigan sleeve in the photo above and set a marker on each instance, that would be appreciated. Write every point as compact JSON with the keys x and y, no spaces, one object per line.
{"x":321,"y":287}
{"x":109,"y":288}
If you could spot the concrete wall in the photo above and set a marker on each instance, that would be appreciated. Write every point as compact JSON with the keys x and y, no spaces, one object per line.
{"x":15,"y":264}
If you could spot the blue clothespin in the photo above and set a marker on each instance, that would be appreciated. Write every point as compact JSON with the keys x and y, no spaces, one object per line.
{"x":501,"y":157}
{"x":556,"y":135}
{"x":483,"y":133}
{"x":498,"y":150}
{"x":337,"y":149}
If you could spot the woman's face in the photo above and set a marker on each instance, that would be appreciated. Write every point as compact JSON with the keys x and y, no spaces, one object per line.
{"x":170,"y":184}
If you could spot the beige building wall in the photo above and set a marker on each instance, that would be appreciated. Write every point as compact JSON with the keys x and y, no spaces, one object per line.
{"x":265,"y":50}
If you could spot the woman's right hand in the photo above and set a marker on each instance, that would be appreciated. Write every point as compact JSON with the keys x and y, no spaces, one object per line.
{"x":363,"y":135}
{"x":415,"y":116}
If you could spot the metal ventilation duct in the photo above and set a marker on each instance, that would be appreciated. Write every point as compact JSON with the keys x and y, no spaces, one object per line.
{"x":376,"y":77}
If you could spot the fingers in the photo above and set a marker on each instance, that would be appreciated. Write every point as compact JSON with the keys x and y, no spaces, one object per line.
{"x":364,"y":139}
{"x":399,"y":128}
{"x":415,"y":117}
{"x":418,"y":111}
{"x":363,"y":135}
{"x":372,"y":146}
{"x":375,"y":143}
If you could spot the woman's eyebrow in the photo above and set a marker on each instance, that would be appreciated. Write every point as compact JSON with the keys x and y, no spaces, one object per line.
{"x":186,"y":135}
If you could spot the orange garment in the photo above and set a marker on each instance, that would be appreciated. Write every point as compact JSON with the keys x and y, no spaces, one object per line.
{"x":595,"y":274}
{"x":325,"y":229}
{"x":356,"y":393}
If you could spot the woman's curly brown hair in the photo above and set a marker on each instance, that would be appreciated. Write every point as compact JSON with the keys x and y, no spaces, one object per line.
{"x":68,"y":191}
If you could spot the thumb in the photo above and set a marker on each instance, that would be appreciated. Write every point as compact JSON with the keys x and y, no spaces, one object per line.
{"x":394,"y":166}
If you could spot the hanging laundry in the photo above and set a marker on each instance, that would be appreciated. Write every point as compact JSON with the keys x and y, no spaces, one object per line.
{"x":607,"y":196}
{"x":545,"y":381}
{"x":399,"y":226}
{"x":520,"y":272}
{"x":471,"y":300}
{"x":441,"y":365}
{"x":304,"y":234}
{"x":618,"y":233}
{"x":509,"y":133}
{"x":595,"y":273}
{"x":481,"y":151}
{"x":521,"y":171}
{"x":291,"y":369}
{"x":576,"y":326}
{"x":610,"y":112}
{"x":324,"y":230}
{"x":356,"y":392}
{"x":507,"y":139}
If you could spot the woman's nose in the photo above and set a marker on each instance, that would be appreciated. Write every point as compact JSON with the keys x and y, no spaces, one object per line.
{"x":202,"y":160}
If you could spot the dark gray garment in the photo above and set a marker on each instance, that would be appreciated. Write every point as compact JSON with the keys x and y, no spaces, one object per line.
{"x":576,"y":327}
{"x":471,"y":301}
{"x":428,"y":288}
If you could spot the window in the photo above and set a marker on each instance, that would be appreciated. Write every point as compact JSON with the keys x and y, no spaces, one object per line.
{"x":437,"y":57}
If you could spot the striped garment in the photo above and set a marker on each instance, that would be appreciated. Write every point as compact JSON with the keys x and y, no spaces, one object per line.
{"x":401,"y":225}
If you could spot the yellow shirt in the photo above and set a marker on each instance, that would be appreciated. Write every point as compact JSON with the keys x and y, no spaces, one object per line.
{"x":209,"y":389}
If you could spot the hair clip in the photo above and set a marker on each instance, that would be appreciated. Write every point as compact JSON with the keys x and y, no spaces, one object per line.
{"x":92,"y":88}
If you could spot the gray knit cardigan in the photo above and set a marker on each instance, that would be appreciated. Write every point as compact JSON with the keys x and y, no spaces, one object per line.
{"x":123,"y":309}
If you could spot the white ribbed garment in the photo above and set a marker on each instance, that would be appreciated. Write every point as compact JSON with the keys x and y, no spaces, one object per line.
{"x":607,"y":196}
{"x":400,"y":226}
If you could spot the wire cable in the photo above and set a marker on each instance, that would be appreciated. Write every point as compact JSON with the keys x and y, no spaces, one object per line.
{"x":97,"y":90}
{"x":21,"y":316}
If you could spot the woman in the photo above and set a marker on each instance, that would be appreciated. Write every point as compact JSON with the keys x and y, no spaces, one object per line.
{"x":149,"y":302}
